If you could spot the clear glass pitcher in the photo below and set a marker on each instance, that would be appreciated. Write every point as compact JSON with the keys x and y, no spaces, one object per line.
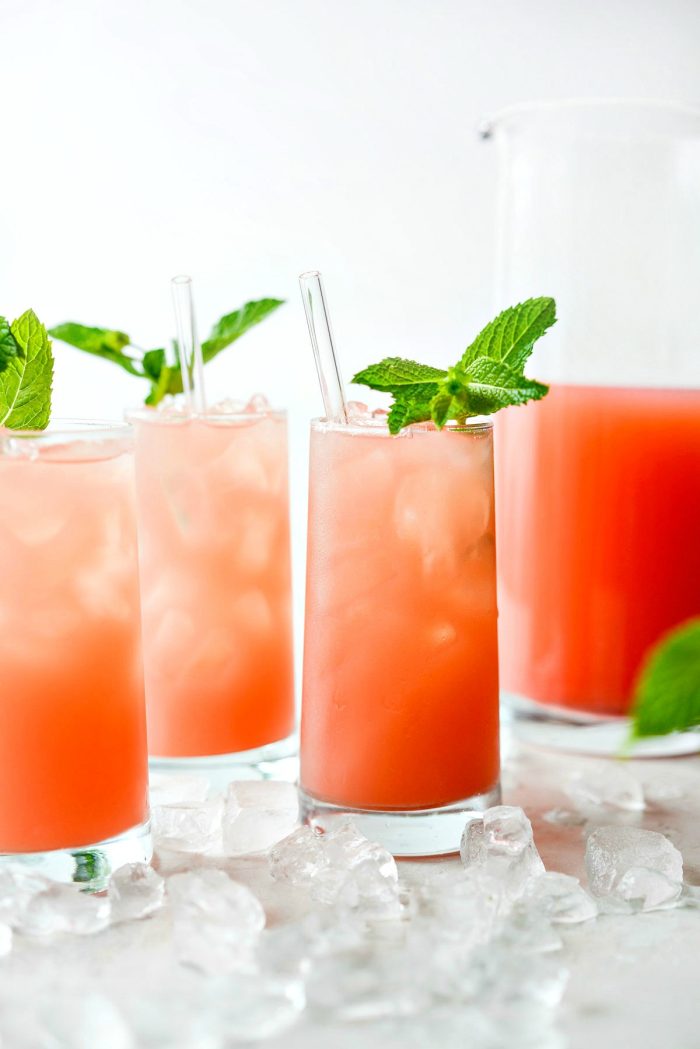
{"x":599,"y":483}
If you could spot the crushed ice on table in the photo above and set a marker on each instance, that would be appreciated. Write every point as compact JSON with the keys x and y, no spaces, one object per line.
{"x":634,"y":865}
{"x":609,"y":786}
{"x":216,"y":920}
{"x":339,"y":867}
{"x":135,"y":891}
{"x":559,"y":897}
{"x":499,"y":843}
{"x":452,"y":954}
{"x":258,"y":814}
{"x":188,"y":826}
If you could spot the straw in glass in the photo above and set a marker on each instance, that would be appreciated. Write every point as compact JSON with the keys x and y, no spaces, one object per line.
{"x":321,"y":335}
{"x":189,"y":349}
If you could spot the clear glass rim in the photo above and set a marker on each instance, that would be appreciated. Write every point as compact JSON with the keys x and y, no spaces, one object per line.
{"x":181,"y":417}
{"x":548,"y":111}
{"x":480,"y":424}
{"x":72,"y":430}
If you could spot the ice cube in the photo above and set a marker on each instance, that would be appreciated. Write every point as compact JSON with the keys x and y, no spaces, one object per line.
{"x":170,"y":789}
{"x":499,"y":843}
{"x":216,"y":920}
{"x":358,"y":413}
{"x":63,"y":908}
{"x":465,"y":903}
{"x":298,"y":857}
{"x":438,"y":522}
{"x":188,"y":827}
{"x":560,"y":898}
{"x":135,"y":891}
{"x":258,"y":814}
{"x":258,"y":403}
{"x":613,"y":851}
{"x":18,"y":885}
{"x":5,"y":939}
{"x":647,"y":889}
{"x":607,"y":786}
{"x":340,"y":867}
{"x":373,"y":880}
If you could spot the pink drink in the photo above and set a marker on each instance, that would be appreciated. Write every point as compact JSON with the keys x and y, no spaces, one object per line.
{"x":400,"y":708}
{"x":216,"y":581}
{"x":73,"y":763}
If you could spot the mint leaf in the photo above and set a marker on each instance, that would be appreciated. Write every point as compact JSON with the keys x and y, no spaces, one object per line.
{"x":101,"y":342}
{"x":411,"y":405}
{"x":413,"y":386}
{"x":153,"y":362}
{"x":25,"y":384}
{"x":667,"y":692}
{"x":511,"y":336}
{"x":441,"y":407}
{"x":169,"y":381}
{"x":485,"y":386}
{"x":8,"y":346}
{"x":394,"y":373}
{"x":235,"y":324}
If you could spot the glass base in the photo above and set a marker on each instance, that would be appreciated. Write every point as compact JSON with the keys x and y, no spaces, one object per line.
{"x":562,"y":728}
{"x":410,"y":832}
{"x":88,"y":865}
{"x":278,"y":761}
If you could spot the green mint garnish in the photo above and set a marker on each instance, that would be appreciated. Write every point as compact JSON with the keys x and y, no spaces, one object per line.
{"x":488,"y":376}
{"x":151,"y":365}
{"x":26,"y":373}
{"x":667,"y":693}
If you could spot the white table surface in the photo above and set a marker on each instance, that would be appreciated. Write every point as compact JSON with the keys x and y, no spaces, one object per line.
{"x":634,"y":980}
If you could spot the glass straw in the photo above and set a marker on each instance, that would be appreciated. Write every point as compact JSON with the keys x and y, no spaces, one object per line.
{"x":321,"y":336}
{"x":189,"y":350}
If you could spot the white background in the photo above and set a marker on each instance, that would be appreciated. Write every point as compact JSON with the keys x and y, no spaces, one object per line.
{"x":243,"y":141}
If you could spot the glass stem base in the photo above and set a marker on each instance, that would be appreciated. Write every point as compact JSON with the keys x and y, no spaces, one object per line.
{"x":277,"y":760}
{"x":567,"y":729}
{"x":88,"y":865}
{"x":409,"y":832}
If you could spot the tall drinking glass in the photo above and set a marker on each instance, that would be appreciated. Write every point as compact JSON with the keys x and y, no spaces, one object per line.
{"x":599,"y":483}
{"x":400,"y":697}
{"x":213,"y":509}
{"x":73,"y":763}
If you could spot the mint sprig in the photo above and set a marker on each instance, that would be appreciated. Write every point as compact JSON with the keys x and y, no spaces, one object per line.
{"x":26,"y":373}
{"x":152,"y":365}
{"x":667,"y":691}
{"x":489,"y":375}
